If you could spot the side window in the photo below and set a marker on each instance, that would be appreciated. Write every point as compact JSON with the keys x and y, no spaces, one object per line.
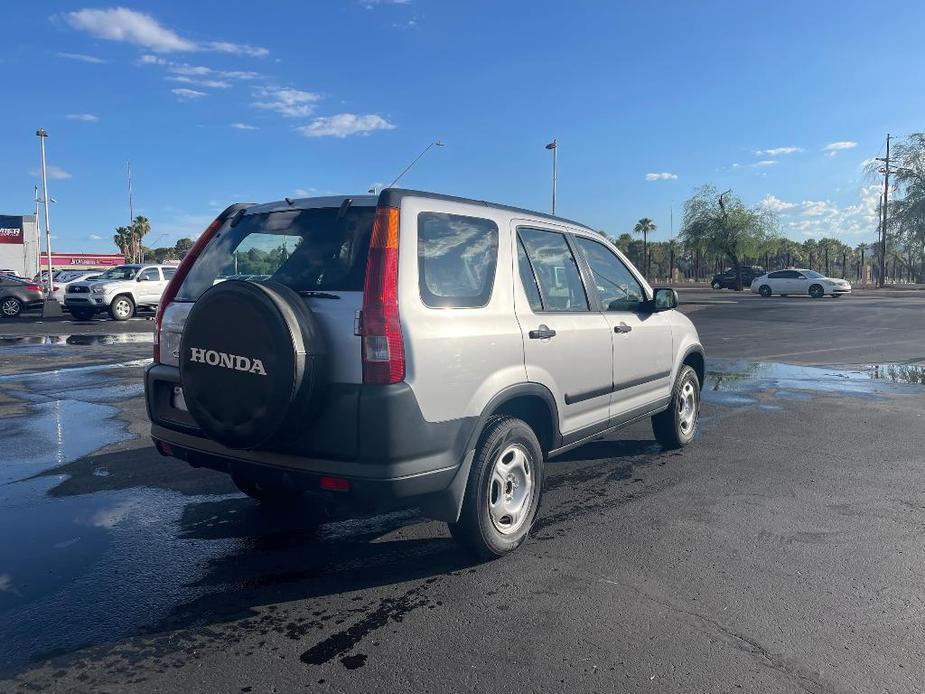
{"x":169,"y":272}
{"x":457,"y":257}
{"x":556,"y":271}
{"x":528,"y":279}
{"x":150,"y":275}
{"x":778,"y":275}
{"x":793,"y":275}
{"x":616,"y":286}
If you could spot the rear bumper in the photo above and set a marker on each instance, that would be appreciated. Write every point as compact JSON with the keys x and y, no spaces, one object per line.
{"x":372,"y":436}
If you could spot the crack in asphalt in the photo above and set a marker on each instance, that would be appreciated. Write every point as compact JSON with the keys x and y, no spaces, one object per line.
{"x":804,"y":678}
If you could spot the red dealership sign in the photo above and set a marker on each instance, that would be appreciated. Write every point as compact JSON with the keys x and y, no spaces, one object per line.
{"x":92,"y":259}
{"x":10,"y":229}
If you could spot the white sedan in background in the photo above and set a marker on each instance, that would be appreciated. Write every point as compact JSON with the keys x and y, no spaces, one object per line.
{"x":799,"y":282}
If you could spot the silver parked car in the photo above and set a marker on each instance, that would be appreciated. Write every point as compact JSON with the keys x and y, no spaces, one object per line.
{"x":412,"y":350}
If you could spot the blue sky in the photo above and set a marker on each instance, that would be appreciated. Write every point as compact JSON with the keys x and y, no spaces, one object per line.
{"x":217,"y":102}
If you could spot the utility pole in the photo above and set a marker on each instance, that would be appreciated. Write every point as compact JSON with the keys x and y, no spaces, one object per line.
{"x":38,"y":236}
{"x":883,"y":210}
{"x":554,"y":146}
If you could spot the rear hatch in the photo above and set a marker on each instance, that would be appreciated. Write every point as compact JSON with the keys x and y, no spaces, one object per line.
{"x":317,"y":247}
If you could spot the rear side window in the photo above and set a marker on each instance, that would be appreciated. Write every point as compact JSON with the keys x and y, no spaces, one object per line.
{"x":307,"y":250}
{"x":169,"y":272}
{"x":457,"y":257}
{"x":555,"y":269}
{"x":778,"y":275}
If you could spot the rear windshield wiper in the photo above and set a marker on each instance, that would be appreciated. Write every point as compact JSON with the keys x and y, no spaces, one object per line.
{"x":317,"y":294}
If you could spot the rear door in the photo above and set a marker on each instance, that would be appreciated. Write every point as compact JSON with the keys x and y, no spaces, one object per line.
{"x":567,"y":342}
{"x":642,"y":340}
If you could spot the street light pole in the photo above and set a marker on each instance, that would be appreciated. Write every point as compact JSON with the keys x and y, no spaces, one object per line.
{"x":554,"y":146}
{"x":50,"y":307}
{"x":38,"y":234}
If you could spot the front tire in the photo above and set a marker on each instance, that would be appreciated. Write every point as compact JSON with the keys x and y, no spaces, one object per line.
{"x":503,"y":491}
{"x":122,"y":308}
{"x":817,"y":291}
{"x":764,"y":290}
{"x":11,"y":307}
{"x":675,"y":427}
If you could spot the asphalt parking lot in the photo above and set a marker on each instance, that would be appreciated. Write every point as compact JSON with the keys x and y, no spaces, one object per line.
{"x":782,"y":551}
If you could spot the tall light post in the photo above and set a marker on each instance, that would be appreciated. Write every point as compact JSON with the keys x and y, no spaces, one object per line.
{"x":554,"y":146}
{"x":435,"y":143}
{"x":51,"y":306}
{"x":38,"y":234}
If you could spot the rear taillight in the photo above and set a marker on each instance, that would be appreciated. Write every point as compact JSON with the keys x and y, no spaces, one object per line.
{"x":383,"y":352}
{"x":35,"y":288}
{"x":56,"y":288}
{"x":182,"y":271}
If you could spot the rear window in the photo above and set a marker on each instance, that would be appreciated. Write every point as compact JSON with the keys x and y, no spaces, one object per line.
{"x":307,"y":250}
{"x":457,"y":256}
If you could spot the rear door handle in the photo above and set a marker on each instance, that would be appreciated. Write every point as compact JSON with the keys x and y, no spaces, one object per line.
{"x":544,"y":332}
{"x":622,"y":328}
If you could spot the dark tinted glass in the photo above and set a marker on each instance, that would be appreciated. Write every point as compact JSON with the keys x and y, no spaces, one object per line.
{"x":782,"y":274}
{"x":457,"y":256}
{"x":169,"y":272}
{"x":303,"y":249}
{"x":616,"y":286}
{"x":528,"y":279}
{"x":554,"y":264}
{"x":150,"y":275}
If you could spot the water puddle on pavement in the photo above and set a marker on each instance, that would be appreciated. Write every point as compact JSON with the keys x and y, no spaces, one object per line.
{"x":739,"y":382}
{"x":79,"y":340}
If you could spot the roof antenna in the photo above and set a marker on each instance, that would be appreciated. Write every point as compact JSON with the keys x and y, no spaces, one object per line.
{"x":289,"y":201}
{"x":344,"y":206}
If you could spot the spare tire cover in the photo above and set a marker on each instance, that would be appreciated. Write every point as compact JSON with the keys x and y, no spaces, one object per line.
{"x":252,"y":362}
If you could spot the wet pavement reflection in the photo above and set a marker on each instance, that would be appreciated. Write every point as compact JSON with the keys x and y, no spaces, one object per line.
{"x":95,"y":547}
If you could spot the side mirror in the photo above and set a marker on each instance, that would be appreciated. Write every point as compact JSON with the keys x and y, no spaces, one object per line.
{"x":664,"y":299}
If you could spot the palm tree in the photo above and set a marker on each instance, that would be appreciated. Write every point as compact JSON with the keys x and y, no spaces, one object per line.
{"x":140,"y":227}
{"x":123,"y":240}
{"x":644,"y":226}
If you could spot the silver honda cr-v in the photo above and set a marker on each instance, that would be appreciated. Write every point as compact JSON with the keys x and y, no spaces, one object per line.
{"x":411,"y":350}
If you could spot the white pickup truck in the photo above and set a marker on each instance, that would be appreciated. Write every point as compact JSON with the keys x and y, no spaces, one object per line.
{"x":119,"y":291}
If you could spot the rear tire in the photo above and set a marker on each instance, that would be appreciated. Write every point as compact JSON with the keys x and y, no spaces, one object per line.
{"x":764,"y":290}
{"x":675,"y":427}
{"x":122,"y":308}
{"x":503,"y":491}
{"x":11,"y":307}
{"x":816,"y":291}
{"x":82,"y":314}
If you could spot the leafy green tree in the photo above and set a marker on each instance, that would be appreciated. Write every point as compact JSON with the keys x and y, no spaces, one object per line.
{"x":724,"y":225}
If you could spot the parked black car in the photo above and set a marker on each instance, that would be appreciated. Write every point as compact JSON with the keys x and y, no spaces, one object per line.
{"x":727,"y":280}
{"x":18,"y":295}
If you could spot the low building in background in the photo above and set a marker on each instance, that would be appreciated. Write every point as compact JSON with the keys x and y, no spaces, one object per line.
{"x":18,"y":244}
{"x":20,"y":251}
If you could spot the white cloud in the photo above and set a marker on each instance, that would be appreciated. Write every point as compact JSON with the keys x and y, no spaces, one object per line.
{"x":85,"y":117}
{"x":292,"y":103}
{"x":207,"y":84}
{"x":664,"y":176}
{"x":95,"y":237}
{"x":305,"y":192}
{"x":149,"y":59}
{"x":844,"y":144}
{"x":833,"y":148}
{"x":82,"y":58}
{"x":775,"y":204}
{"x":54,"y":172}
{"x":185,"y":94}
{"x":819,"y":218}
{"x":242,"y":126}
{"x":370,"y":4}
{"x":344,"y":124}
{"x":777,"y":151}
{"x":129,"y":26}
{"x":764,"y":163}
